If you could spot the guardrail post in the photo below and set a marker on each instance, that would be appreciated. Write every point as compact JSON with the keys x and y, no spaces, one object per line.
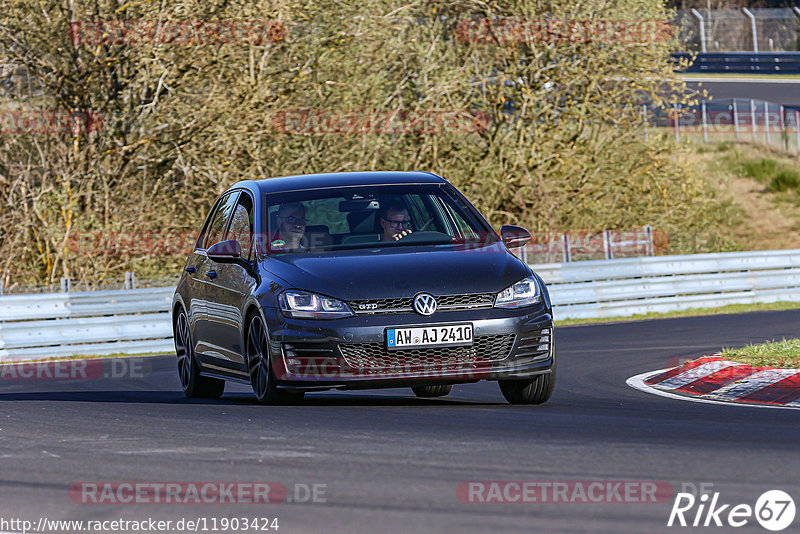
{"x":797,"y":126}
{"x":702,"y":30}
{"x":736,"y":120}
{"x":565,"y":245}
{"x":648,"y":233}
{"x":766,"y":119}
{"x":1,"y":287}
{"x":753,"y":117}
{"x":753,"y":27}
{"x":65,"y":285}
{"x":784,"y":136}
{"x":607,"y":245}
{"x":130,"y":280}
{"x":705,"y":123}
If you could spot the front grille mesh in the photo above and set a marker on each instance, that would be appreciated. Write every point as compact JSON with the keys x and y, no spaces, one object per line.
{"x":376,"y":357}
{"x":445,"y":302}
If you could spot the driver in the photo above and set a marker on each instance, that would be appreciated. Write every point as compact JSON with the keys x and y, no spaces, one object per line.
{"x":291,"y":226}
{"x":395,"y":222}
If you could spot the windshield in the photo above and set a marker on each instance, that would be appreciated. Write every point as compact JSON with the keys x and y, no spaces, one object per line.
{"x":324,"y":220}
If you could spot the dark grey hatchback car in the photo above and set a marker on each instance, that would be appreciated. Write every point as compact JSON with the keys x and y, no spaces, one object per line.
{"x":359,"y":280}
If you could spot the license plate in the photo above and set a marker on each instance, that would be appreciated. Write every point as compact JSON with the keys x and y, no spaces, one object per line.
{"x":429,"y":336}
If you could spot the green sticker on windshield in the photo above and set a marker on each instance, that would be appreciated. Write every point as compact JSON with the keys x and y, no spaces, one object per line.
{"x":278,"y":243}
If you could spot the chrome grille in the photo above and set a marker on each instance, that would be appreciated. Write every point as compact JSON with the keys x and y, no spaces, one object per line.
{"x":377,"y":358}
{"x":445,"y":302}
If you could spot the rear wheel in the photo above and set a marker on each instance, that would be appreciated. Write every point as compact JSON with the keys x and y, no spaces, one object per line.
{"x":432,"y":391}
{"x":193,"y":385}
{"x":259,"y":363}
{"x":536,"y":390}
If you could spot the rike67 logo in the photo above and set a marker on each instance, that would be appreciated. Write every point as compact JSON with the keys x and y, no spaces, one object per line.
{"x":774,"y":510}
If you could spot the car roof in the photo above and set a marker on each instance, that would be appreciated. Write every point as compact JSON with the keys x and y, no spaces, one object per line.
{"x":302,"y":182}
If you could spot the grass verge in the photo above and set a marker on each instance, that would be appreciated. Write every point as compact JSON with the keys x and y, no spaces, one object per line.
{"x":697,"y":312}
{"x":784,"y":354}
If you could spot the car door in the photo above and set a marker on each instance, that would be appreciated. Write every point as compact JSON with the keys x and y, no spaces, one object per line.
{"x":195,"y":286}
{"x":232,"y":286}
{"x":205,"y":291}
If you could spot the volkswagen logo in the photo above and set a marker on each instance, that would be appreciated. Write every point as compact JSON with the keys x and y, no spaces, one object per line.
{"x":425,"y":304}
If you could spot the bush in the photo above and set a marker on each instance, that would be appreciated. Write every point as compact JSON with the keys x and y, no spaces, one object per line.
{"x":563,"y":147}
{"x":787,"y":179}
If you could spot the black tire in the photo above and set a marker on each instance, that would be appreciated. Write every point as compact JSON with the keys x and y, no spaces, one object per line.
{"x":259,"y":363}
{"x":194,"y":386}
{"x":439,"y":390}
{"x":536,"y":390}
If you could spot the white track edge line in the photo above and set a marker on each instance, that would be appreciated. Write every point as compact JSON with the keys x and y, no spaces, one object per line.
{"x":637,"y":382}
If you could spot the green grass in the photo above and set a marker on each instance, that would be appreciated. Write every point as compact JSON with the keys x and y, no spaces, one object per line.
{"x":777,"y":176}
{"x":722,"y":310}
{"x":784,"y":354}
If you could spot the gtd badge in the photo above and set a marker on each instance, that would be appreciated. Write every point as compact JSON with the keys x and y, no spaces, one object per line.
{"x":425,"y":304}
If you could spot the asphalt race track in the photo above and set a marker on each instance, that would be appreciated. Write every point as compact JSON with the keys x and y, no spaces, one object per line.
{"x":391,"y":462}
{"x":780,"y":91}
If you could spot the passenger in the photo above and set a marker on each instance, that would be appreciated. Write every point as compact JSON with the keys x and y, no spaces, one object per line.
{"x":395,"y":222}
{"x":291,"y":226}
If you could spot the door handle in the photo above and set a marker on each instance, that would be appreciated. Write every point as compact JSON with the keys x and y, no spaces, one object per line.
{"x":190,"y":269}
{"x":211,"y":274}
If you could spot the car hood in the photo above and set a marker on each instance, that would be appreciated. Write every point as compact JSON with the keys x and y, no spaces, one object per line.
{"x":400,"y":272}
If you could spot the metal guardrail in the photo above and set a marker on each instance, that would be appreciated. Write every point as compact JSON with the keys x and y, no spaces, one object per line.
{"x":137,"y":320}
{"x":596,"y":289}
{"x":94,"y":323}
{"x":742,"y":62}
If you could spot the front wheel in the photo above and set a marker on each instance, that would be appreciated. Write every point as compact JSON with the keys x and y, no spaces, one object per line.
{"x":536,"y":390}
{"x":194,"y":386}
{"x":259,"y":363}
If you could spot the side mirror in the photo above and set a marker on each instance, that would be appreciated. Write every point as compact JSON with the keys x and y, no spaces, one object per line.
{"x":225,"y":251}
{"x":514,"y":236}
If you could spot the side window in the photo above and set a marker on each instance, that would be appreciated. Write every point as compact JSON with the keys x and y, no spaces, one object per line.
{"x":463,"y":227}
{"x":220,"y":220}
{"x":241,"y":228}
{"x":425,"y":213}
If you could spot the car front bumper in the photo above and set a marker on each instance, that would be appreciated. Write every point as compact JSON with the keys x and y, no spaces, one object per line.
{"x":351,"y":353}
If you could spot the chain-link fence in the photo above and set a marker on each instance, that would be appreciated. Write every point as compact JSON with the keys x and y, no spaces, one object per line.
{"x":737,"y":119}
{"x":728,"y":30}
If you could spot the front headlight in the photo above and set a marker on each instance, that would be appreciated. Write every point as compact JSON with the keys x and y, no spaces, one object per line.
{"x":305,"y":305}
{"x":523,"y":293}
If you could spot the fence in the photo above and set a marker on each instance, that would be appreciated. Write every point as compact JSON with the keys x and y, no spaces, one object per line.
{"x":137,"y":320}
{"x":736,"y":119}
{"x":751,"y":29}
{"x":93,"y":323}
{"x":596,"y":289}
{"x":740,"y":62}
{"x":580,"y":246}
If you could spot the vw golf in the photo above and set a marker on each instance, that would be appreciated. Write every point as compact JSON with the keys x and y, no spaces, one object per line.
{"x":359,"y":280}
